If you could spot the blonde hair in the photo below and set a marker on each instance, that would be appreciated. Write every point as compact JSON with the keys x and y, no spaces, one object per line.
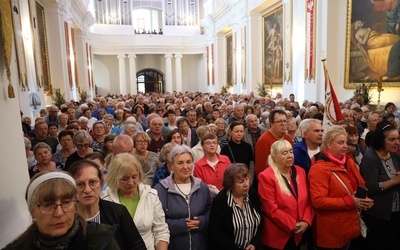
{"x":277,"y":148}
{"x":144,"y":135}
{"x":121,"y":165}
{"x":330,"y":135}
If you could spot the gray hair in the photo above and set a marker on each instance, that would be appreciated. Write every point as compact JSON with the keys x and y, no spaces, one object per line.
{"x":28,"y":144}
{"x":166,"y":148}
{"x":179,"y":150}
{"x":81,"y":136}
{"x":304,"y":126}
{"x":202,"y":130}
{"x":129,"y":126}
{"x":40,"y":145}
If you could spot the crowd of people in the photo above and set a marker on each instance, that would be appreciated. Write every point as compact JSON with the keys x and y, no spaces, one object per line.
{"x":211,"y":171}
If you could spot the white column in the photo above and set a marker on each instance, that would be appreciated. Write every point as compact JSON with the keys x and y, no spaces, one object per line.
{"x":178,"y":72}
{"x":132,"y":73}
{"x":211,"y":87}
{"x":122,"y":74}
{"x":168,"y":73}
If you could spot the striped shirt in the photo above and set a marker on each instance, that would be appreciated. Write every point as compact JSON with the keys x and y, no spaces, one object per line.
{"x":245,"y":221}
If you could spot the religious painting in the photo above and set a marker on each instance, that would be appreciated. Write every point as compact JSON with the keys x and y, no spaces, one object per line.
{"x":36,"y":43}
{"x":372,"y":42}
{"x":41,"y":24}
{"x":243,"y":51}
{"x":310,"y":39}
{"x":273,"y":47}
{"x":210,"y":64}
{"x":230,"y":61}
{"x":68,"y":47}
{"x":19,"y":46}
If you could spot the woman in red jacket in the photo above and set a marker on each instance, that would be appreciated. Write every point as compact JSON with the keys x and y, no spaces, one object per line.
{"x":285,"y":203}
{"x":336,"y":217}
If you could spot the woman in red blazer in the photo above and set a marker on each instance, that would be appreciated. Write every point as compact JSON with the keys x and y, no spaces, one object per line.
{"x":285,"y":203}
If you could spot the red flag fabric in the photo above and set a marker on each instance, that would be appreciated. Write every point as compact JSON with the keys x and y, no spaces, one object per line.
{"x":332,"y":113}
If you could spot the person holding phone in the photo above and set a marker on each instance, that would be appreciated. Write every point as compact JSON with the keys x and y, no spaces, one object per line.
{"x":380,"y":168}
{"x":334,"y":178}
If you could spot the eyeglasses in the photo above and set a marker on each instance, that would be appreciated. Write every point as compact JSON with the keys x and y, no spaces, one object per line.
{"x":141,"y":142}
{"x":86,"y":145}
{"x":49,"y":208}
{"x":208,"y":143}
{"x":281,"y":121}
{"x":92,"y":184}
{"x":157,"y":124}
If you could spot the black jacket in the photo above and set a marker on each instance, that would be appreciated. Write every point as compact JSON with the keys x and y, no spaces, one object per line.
{"x":220,"y":225}
{"x":127,"y":235}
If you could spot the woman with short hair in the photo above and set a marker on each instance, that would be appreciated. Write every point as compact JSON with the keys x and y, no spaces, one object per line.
{"x":82,"y":141}
{"x":186,"y":202}
{"x":235,"y":219}
{"x":52,"y":203}
{"x":42,"y":153}
{"x":67,"y":147}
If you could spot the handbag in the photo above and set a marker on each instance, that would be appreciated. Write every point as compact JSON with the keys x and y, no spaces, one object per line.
{"x":363,"y":227}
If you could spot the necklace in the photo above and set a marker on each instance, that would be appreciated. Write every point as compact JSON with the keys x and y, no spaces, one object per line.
{"x":185,"y":195}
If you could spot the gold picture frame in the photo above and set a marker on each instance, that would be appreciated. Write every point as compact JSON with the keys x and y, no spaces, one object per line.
{"x":372,"y":48}
{"x":273,"y":47}
{"x":230,"y":61}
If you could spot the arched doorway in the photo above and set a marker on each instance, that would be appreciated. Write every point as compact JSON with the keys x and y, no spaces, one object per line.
{"x":150,"y":80}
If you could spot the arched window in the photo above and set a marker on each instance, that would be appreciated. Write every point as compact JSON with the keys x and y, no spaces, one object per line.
{"x":150,"y":80}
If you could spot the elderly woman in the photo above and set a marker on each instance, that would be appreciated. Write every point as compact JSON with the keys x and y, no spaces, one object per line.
{"x":42,"y":153}
{"x":82,"y":141}
{"x":235,"y":219}
{"x":141,"y":141}
{"x":89,"y":180}
{"x":166,"y":169}
{"x":285,"y":202}
{"x":51,"y":199}
{"x":354,"y":148}
{"x":380,"y":167}
{"x":221,"y":132}
{"x":334,"y":178}
{"x":211,"y":167}
{"x":237,"y":149}
{"x":125,"y":187}
{"x":30,"y":157}
{"x":67,"y":147}
{"x":186,"y":202}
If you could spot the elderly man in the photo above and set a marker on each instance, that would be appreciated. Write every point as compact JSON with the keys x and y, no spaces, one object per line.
{"x":52,"y":116}
{"x":238,"y":114}
{"x":253,"y":131}
{"x":155,"y":132}
{"x":102,"y":105}
{"x":208,"y":109}
{"x":99,"y":129}
{"x":264,"y":120}
{"x":305,"y":150}
{"x":140,"y":102}
{"x":277,"y":131}
{"x":42,"y":135}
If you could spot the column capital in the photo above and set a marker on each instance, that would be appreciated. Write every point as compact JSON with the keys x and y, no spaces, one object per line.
{"x":132,"y":56}
{"x":178,"y":55}
{"x":286,"y":1}
{"x":168,"y":55}
{"x":121,"y":56}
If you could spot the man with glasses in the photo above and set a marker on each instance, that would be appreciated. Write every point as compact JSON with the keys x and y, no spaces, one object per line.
{"x":157,"y":138}
{"x":99,"y":129}
{"x":189,"y":134}
{"x":52,"y":116}
{"x":277,"y":131}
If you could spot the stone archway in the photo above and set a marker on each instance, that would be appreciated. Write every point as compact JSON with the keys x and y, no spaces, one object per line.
{"x":150,"y":80}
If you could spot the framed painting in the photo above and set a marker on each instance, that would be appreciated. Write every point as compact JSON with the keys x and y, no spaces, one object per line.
{"x":310,"y":40}
{"x":230,"y":61}
{"x":36,"y":44}
{"x":372,"y":43}
{"x":19,"y":46}
{"x":41,"y":25}
{"x":273,"y":47}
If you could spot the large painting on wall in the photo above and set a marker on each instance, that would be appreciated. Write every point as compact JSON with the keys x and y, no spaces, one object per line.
{"x":41,"y":25}
{"x":373,"y":42}
{"x":230,"y":60}
{"x":272,"y":47}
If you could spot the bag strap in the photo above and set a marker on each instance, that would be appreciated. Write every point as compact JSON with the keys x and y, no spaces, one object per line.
{"x":230,"y":150}
{"x":344,"y":185}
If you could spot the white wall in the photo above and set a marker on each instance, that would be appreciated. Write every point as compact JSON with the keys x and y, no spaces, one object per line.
{"x":14,"y":178}
{"x":106,"y":74}
{"x":193,"y":73}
